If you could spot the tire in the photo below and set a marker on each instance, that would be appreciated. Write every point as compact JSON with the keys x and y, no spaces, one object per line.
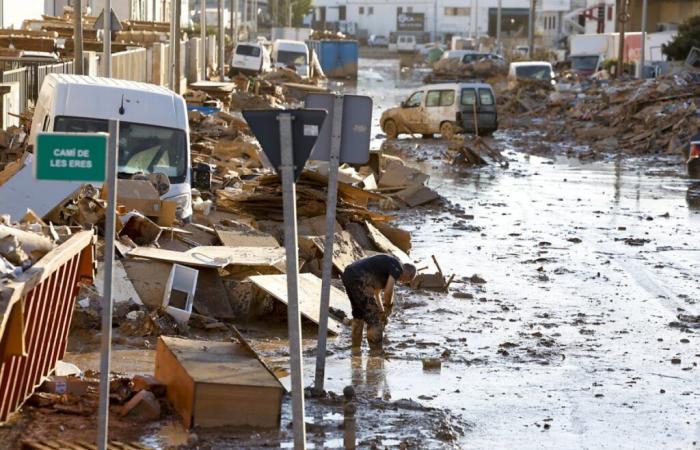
{"x":390,"y":128}
{"x":428,"y":135}
{"x":447,"y":130}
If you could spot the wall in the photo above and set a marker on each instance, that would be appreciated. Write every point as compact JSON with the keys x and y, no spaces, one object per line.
{"x":662,"y":11}
{"x":11,"y":16}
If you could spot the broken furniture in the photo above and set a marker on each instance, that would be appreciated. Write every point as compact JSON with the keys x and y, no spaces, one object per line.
{"x":214,"y":384}
{"x":35,"y":314}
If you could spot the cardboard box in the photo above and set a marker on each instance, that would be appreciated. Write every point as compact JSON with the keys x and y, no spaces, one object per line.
{"x":139,"y":195}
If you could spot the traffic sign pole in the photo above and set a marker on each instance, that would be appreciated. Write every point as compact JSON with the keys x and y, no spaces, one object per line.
{"x":332,"y":199}
{"x":290,"y":242}
{"x":111,"y":186}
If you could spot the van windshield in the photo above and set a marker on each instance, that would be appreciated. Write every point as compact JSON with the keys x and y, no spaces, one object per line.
{"x":589,"y":63}
{"x":289,"y":58}
{"x":248,"y":50}
{"x":142,"y":148}
{"x":541,"y":73}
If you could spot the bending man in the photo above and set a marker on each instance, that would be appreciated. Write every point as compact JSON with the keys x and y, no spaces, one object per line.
{"x":365,"y":280}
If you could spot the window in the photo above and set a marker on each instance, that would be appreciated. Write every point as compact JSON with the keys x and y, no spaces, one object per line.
{"x":452,"y":11}
{"x":485,"y":97}
{"x":468,"y":97}
{"x":142,"y":148}
{"x":45,"y":127}
{"x":409,"y":9}
{"x":370,"y":10}
{"x":432,"y":99}
{"x":414,"y":100}
{"x":447,"y":98}
{"x":290,"y":58}
{"x":399,"y":10}
{"x":361,"y":10}
{"x":342,"y":12}
{"x":248,"y":50}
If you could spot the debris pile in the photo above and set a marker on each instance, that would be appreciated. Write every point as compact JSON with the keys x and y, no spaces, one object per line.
{"x":454,"y":69}
{"x":13,"y":144}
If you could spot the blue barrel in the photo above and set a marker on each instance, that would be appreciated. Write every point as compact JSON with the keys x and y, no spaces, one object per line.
{"x":338,"y":58}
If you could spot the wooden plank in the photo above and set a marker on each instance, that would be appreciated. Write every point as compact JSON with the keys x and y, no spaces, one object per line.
{"x":211,"y":298}
{"x":180,"y":386}
{"x":309,"y":296}
{"x":262,"y":406}
{"x":214,"y":257}
{"x":148,"y":278}
{"x":239,"y":238}
{"x":385,"y":245}
{"x":397,"y":236}
{"x":345,"y":249}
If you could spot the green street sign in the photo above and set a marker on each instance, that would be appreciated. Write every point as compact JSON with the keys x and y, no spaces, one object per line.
{"x":70,"y":156}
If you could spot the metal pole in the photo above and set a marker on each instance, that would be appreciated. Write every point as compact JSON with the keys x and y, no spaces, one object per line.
{"x":435,"y":21}
{"x":255,"y":17}
{"x":621,"y":48}
{"x":642,"y":56}
{"x":177,"y":74}
{"x":222,"y":44}
{"x":498,"y":23}
{"x":531,"y":30}
{"x":476,"y":20}
{"x":290,"y":242}
{"x":107,"y":40}
{"x":233,"y":4}
{"x":327,"y":264}
{"x":471,"y":19}
{"x":78,"y":37}
{"x":171,"y":50}
{"x":203,"y":36}
{"x":289,"y":13}
{"x":106,"y":337}
{"x":245,"y":16}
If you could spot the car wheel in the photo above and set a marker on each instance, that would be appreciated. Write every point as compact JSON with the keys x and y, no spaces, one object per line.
{"x":391,"y":130}
{"x":447,"y":130}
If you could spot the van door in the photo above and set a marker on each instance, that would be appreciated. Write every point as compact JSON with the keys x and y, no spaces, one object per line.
{"x":468,"y":104}
{"x":486,"y":111}
{"x":412,"y":112}
{"x":438,"y":109}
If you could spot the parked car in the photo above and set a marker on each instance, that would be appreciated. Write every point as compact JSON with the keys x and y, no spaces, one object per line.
{"x":406,"y":43}
{"x":586,"y":65}
{"x":446,"y":109}
{"x":153,"y":127}
{"x":288,"y":53}
{"x":250,"y":58}
{"x":473,"y":57}
{"x":530,"y":71}
{"x":378,"y":40}
{"x":693,"y":157}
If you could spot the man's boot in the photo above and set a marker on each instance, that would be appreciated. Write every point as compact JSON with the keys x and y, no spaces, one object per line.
{"x":375,"y":339}
{"x":357,"y":326}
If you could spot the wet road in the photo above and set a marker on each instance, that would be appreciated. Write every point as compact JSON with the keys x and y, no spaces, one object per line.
{"x":568,"y":343}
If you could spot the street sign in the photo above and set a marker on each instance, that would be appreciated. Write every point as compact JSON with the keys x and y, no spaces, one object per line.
{"x":306,"y":126}
{"x":115,"y":23}
{"x":410,"y":21}
{"x":70,"y":156}
{"x":356,"y":127}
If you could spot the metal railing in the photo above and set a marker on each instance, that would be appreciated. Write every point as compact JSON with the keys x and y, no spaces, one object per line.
{"x":30,"y":74}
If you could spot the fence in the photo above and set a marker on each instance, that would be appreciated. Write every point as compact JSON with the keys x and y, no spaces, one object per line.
{"x":20,"y":76}
{"x":131,"y":65}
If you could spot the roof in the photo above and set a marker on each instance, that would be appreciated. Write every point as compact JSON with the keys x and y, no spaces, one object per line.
{"x":455,"y":85}
{"x":530,"y":63}
{"x":84,"y":80}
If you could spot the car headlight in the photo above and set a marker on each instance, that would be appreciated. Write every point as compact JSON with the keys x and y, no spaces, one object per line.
{"x":183,"y":203}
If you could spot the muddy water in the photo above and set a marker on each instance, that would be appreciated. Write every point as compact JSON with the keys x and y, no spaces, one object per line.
{"x":568,"y":342}
{"x":565,"y":344}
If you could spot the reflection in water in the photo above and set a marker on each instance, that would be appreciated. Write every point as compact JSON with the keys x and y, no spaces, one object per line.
{"x":370,"y":379}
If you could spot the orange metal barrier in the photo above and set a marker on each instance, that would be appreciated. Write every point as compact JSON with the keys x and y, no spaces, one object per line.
{"x":35,"y":315}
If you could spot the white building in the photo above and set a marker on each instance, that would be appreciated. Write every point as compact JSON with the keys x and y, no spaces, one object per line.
{"x":150,"y":10}
{"x":12,"y":15}
{"x":443,"y":18}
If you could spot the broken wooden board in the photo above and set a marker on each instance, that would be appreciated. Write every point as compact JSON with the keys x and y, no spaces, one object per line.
{"x":385,"y":245}
{"x":214,"y":257}
{"x":79,"y":445}
{"x":399,"y":175}
{"x":211,"y":298}
{"x":397,"y":236}
{"x":309,"y":296}
{"x":239,"y":238}
{"x":148,"y":278}
{"x":345,"y":250}
{"x":214,"y":384}
{"x":417,"y":195}
{"x":122,"y":288}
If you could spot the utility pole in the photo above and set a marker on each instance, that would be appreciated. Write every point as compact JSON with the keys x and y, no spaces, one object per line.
{"x":177,"y":75}
{"x":471,"y":19}
{"x":435,"y":20}
{"x":203,"y":36}
{"x":531,"y":31}
{"x":222,"y":43}
{"x":498,"y":24}
{"x":289,"y":12}
{"x":642,"y":55}
{"x":107,"y":40}
{"x":622,"y":19}
{"x":245,"y":16}
{"x":78,"y":37}
{"x":234,"y":10}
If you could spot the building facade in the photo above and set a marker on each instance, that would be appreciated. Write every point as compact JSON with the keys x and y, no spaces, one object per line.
{"x":12,"y":16}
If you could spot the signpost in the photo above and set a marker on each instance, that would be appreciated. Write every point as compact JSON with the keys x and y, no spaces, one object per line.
{"x":287,"y":137}
{"x":345,"y":139}
{"x":89,"y":157}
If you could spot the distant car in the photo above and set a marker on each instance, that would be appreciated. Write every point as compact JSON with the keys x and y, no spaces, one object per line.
{"x":377,"y":40}
{"x":530,"y":71}
{"x":693,"y":161}
{"x":406,"y":43}
{"x":447,"y":109}
{"x":586,"y":65}
{"x":289,"y":53}
{"x":473,"y":57}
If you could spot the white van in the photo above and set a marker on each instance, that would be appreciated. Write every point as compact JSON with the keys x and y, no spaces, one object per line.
{"x":153,"y":129}
{"x":540,"y":71}
{"x":288,"y":53}
{"x":406,"y":43}
{"x":250,"y":58}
